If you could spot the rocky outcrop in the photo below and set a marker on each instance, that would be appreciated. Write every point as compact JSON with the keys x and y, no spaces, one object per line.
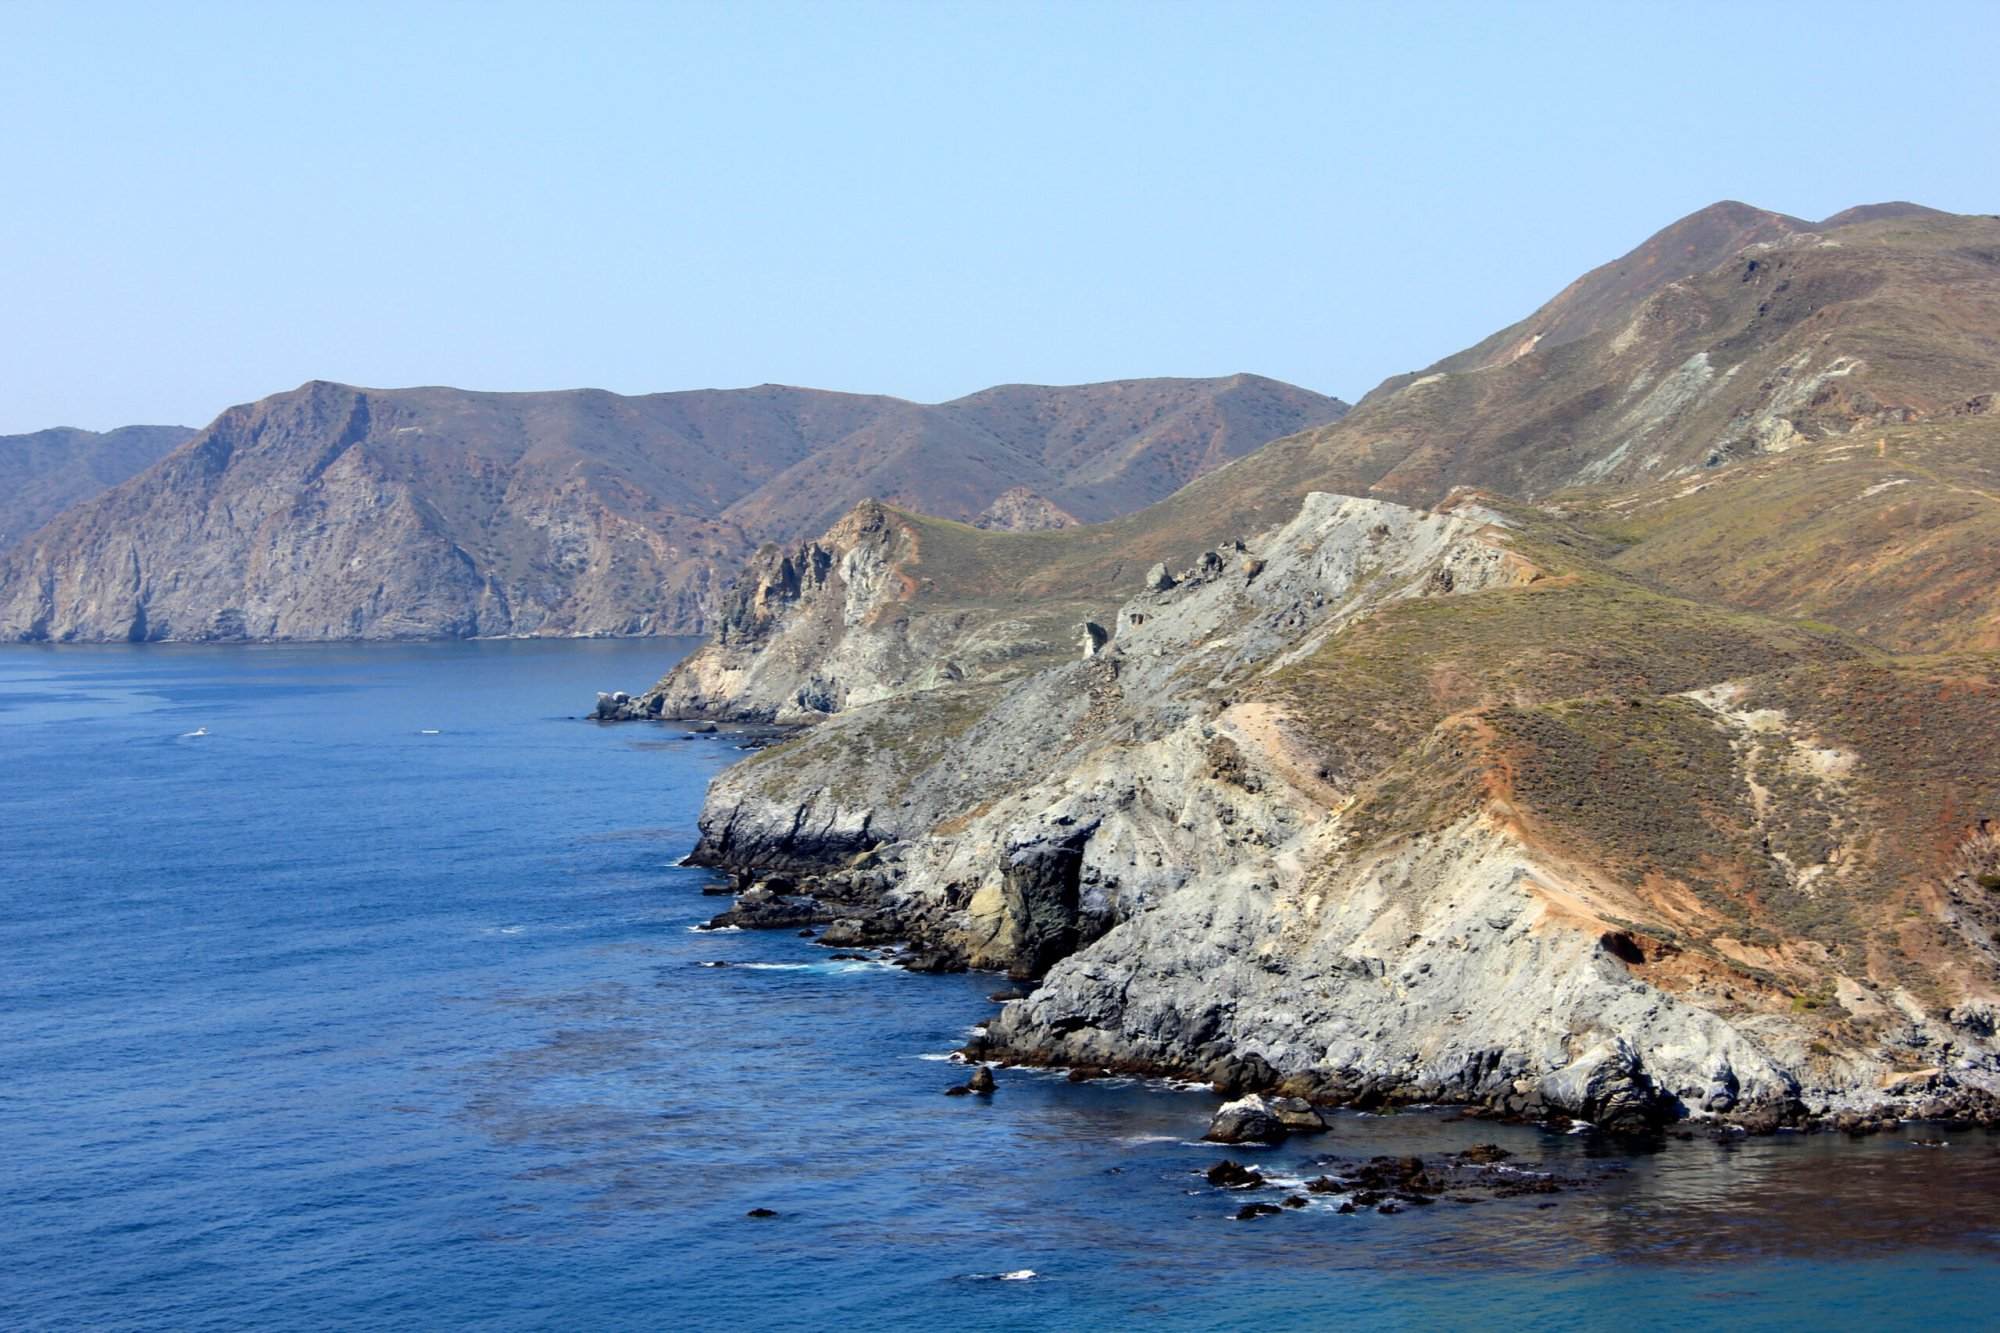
{"x":782,"y":651}
{"x":1246,"y":1120}
{"x":1019,"y":509}
{"x":1041,"y":904}
{"x":842,"y":622}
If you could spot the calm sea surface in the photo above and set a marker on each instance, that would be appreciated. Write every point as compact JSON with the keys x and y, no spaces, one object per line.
{"x":377,"y":1006}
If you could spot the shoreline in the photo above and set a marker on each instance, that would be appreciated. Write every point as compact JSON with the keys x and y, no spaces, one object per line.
{"x":847,"y":919}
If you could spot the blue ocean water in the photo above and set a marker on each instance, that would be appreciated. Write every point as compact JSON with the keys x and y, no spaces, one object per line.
{"x":377,"y":1005}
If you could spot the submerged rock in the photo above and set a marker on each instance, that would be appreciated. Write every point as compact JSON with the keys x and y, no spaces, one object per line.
{"x":981,"y":1081}
{"x":1229,"y":1174}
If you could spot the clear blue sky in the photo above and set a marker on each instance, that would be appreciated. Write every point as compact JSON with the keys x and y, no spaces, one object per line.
{"x":206,"y":203}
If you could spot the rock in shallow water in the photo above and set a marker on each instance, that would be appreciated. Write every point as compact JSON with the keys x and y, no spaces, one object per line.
{"x":1296,"y":1114}
{"x":1233,"y":1175}
{"x":852,"y":931}
{"x":1609,"y":1087}
{"x":1246,"y":1120}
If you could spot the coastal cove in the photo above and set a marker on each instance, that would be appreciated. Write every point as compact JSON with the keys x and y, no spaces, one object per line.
{"x":359,"y":986}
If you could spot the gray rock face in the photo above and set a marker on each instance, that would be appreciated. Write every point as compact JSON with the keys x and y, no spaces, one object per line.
{"x":824,"y":628}
{"x":1608,"y":1087}
{"x":1296,"y":1114}
{"x":1042,"y":897}
{"x":1720,"y":1095}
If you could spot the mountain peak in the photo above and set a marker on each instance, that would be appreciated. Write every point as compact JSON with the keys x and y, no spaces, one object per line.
{"x":1682,"y":249}
{"x":1895,"y":208}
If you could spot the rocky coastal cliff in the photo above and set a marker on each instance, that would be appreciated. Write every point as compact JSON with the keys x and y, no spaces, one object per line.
{"x":1472,"y":801}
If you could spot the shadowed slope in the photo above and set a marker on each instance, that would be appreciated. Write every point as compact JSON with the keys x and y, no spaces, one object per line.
{"x":45,"y":473}
{"x":338,"y":512}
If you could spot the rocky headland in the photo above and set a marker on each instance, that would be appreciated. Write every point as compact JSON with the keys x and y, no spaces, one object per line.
{"x":1428,"y":757}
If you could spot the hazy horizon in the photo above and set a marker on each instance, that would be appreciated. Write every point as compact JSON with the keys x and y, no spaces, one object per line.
{"x":216,"y":205}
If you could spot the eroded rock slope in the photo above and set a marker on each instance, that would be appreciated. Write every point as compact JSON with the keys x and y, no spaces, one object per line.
{"x":1467,"y":800}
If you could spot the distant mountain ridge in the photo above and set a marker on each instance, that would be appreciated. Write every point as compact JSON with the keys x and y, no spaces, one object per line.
{"x":334,"y":512}
{"x":44,"y":473}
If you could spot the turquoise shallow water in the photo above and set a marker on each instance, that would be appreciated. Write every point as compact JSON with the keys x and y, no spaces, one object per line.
{"x":317,"y":1020}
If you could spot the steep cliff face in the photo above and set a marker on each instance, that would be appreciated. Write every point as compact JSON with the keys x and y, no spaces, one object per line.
{"x":851,"y":618}
{"x":333,"y":512}
{"x":1485,"y":802}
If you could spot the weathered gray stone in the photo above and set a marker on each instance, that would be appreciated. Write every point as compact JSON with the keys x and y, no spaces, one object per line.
{"x":1296,"y":1114}
{"x":1608,"y":1087}
{"x":1246,"y":1120}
